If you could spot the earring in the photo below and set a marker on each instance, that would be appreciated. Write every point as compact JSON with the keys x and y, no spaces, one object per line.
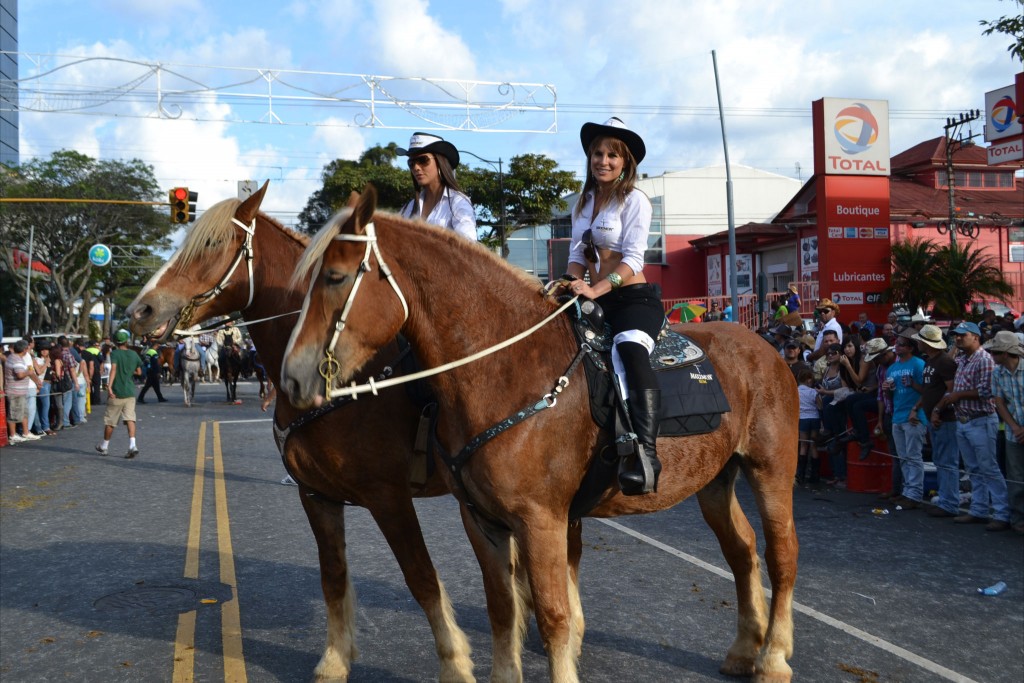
{"x":622,"y":176}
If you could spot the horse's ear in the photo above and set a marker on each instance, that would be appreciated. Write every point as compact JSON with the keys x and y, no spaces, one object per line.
{"x":247,"y":210}
{"x":366,"y":206}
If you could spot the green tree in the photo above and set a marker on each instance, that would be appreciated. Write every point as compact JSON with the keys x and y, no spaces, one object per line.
{"x":947,"y":277}
{"x":342,"y":177}
{"x":531,"y":189}
{"x":913,"y":263}
{"x":65,"y":230}
{"x":961,"y":274}
{"x":1011,"y":25}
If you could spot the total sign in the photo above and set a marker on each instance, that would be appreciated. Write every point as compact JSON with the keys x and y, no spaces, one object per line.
{"x":851,"y":137}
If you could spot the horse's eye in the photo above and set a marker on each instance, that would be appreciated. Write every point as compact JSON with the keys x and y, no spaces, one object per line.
{"x":334,"y":277}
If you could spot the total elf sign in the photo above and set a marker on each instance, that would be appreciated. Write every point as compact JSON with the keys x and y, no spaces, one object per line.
{"x":852,"y":204}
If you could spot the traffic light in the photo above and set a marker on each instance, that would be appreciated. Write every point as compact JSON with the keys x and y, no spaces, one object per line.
{"x":183,"y":205}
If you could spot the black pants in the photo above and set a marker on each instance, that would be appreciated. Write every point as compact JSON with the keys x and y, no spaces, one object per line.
{"x":152,"y":380}
{"x":635,"y":307}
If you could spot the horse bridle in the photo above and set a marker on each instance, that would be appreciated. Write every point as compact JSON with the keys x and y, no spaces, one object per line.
{"x":329,"y":367}
{"x":245,"y":251}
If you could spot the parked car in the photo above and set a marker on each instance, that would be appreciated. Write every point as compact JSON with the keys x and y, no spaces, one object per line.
{"x":979,"y":306}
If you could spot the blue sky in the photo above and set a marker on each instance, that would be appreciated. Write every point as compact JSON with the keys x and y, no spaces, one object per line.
{"x":648,"y":62}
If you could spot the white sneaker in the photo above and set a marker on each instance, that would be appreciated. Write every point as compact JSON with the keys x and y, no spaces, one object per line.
{"x":288,"y":481}
{"x":31,"y":437}
{"x":100,"y":449}
{"x":17,"y":438}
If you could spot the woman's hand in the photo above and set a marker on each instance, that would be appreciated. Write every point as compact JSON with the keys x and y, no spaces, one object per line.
{"x":581,"y":288}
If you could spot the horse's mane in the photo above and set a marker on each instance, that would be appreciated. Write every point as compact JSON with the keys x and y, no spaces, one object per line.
{"x":318,"y":245}
{"x":215,"y":227}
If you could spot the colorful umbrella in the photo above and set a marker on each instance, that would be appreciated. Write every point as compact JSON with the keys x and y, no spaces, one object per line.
{"x":688,"y":311}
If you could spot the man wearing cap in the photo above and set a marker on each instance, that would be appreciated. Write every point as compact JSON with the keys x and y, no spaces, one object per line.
{"x":439,"y":200}
{"x":791,"y":354}
{"x":151,"y":362}
{"x":976,"y":428}
{"x":828,"y":312}
{"x":937,"y":381}
{"x":1008,"y":391}
{"x":124,"y":365}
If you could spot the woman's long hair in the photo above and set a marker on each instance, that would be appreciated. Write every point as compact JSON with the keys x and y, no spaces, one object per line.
{"x":444,"y":171}
{"x":855,"y":361}
{"x":626,"y":181}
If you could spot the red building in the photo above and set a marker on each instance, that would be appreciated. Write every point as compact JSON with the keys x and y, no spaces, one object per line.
{"x":988,"y":199}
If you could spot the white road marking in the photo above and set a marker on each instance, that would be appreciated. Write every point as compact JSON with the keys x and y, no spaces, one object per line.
{"x":896,"y":650}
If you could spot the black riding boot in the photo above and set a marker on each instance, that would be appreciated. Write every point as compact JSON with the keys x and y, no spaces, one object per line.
{"x":643,"y":412}
{"x":801,"y":468}
{"x":814,"y":471}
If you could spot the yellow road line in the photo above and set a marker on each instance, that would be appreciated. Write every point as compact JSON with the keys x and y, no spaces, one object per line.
{"x":184,"y":640}
{"x":230,"y":619}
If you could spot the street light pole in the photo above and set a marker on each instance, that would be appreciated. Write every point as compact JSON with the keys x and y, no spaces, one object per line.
{"x":501,"y":194}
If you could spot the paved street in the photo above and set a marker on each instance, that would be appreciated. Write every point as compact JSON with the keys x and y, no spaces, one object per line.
{"x":97,"y":581}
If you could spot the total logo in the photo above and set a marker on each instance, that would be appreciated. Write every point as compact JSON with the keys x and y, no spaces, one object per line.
{"x":856,"y":128}
{"x":848,"y":298}
{"x":1002,"y":115}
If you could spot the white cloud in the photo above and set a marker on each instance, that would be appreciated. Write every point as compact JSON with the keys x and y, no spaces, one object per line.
{"x":410,"y":42}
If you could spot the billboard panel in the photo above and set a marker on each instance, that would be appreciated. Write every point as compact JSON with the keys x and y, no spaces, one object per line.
{"x":851,"y":137}
{"x":1002,"y":114}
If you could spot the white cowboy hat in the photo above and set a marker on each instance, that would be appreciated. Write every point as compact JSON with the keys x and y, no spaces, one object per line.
{"x":875,"y":347}
{"x":425,"y":143}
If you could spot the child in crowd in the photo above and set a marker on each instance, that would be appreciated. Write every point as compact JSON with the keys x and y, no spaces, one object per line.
{"x":807,"y":467}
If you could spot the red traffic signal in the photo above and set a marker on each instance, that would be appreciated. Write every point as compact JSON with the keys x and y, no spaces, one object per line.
{"x":183,"y":208}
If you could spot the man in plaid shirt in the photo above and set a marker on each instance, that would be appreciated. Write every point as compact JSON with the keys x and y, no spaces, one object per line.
{"x":1008,"y":391}
{"x":977,"y":425}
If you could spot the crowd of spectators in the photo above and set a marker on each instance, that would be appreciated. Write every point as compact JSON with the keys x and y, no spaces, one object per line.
{"x":956,"y":395}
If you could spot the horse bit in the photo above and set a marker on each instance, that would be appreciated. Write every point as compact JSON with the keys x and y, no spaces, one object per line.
{"x":329,"y":367}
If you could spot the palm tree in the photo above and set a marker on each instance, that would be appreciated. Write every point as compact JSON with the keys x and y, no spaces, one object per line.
{"x":962,"y":273}
{"x":913,"y":273}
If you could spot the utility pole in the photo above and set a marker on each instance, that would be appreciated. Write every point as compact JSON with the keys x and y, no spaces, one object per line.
{"x":502,"y":229}
{"x":955,"y":141}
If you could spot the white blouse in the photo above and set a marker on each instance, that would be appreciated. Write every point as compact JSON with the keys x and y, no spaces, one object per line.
{"x":621,"y":227}
{"x":453,"y":211}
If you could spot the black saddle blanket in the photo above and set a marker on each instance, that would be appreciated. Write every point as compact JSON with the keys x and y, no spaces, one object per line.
{"x":692,"y":400}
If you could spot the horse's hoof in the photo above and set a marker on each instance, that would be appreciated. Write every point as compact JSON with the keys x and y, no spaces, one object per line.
{"x":742,"y":667}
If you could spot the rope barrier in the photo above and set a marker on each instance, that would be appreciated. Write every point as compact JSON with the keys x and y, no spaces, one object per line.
{"x":960,"y":472}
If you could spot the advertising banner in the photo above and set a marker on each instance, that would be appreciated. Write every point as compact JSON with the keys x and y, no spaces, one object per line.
{"x":1001,"y":114}
{"x":714,"y":275}
{"x":855,"y":248}
{"x":851,"y":137}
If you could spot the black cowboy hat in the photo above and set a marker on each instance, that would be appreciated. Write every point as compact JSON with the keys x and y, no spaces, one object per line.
{"x":614,"y":128}
{"x":425,"y":143}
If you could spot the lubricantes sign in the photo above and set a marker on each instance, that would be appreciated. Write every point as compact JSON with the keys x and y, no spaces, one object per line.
{"x":851,"y":137}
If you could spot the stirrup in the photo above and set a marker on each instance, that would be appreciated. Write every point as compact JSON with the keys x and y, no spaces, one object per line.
{"x":642,"y":477}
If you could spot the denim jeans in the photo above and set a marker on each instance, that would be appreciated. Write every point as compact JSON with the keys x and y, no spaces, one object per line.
{"x":897,"y":471}
{"x":977,"y":441}
{"x":69,"y":403}
{"x":42,"y":422}
{"x":946,"y":457}
{"x":1015,"y":473}
{"x":30,"y":404}
{"x":80,"y":399}
{"x":909,"y":440}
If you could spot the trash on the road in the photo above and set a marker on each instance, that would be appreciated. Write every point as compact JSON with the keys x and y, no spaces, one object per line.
{"x":881,"y":511}
{"x":866,"y":597}
{"x":994,"y":589}
{"x":208,"y":601}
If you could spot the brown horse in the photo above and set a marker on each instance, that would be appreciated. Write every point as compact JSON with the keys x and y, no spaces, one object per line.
{"x":360,"y":453}
{"x":453,"y":299}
